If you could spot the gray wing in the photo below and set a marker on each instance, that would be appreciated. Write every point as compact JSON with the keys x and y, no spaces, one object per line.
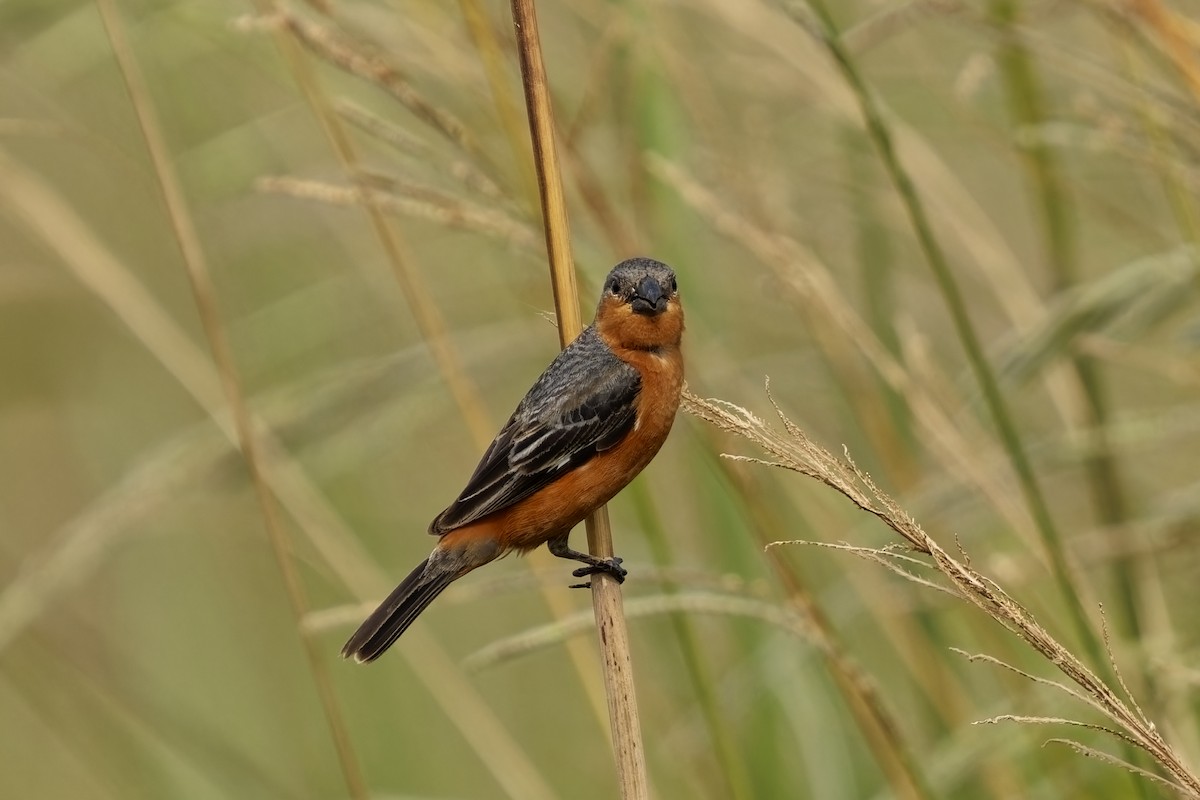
{"x":581,"y":405}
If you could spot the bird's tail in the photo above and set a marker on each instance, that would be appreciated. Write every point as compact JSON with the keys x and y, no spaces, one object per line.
{"x":397,"y":612}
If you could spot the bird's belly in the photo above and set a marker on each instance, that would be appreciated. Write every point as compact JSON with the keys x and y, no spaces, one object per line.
{"x":563,"y":504}
{"x":560,"y":506}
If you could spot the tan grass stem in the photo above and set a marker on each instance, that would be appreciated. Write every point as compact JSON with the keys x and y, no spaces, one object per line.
{"x":204,"y":295}
{"x":606,"y":593}
{"x":343,"y":52}
{"x":458,"y":698}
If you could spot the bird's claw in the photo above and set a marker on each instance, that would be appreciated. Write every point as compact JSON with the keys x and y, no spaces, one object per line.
{"x":611,"y":566}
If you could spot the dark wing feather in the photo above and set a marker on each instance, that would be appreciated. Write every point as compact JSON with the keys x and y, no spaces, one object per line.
{"x":582,"y":404}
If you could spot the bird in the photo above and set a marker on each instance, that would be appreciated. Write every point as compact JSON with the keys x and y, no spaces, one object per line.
{"x":589,"y":424}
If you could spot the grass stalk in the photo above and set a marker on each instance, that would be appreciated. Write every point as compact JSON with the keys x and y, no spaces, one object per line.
{"x":1010,"y":436}
{"x":1102,"y":472}
{"x":402,"y":199}
{"x":342,"y":52}
{"x":606,"y":593}
{"x":249,"y":444}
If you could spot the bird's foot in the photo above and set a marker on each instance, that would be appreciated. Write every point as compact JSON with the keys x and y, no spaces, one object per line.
{"x":609,"y":566}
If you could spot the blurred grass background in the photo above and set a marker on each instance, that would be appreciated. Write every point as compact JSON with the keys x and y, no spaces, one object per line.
{"x":148,"y":646}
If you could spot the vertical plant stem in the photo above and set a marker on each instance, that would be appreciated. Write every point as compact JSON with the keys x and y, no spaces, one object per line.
{"x":606,"y":592}
{"x":247,"y":437}
{"x":426,"y":313}
{"x":1010,"y":437}
{"x":1061,"y":252}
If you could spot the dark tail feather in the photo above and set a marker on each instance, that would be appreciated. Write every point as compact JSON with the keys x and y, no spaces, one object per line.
{"x":396,"y":613}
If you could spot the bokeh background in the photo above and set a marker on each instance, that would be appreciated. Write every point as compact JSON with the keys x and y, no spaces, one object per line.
{"x":356,"y":179}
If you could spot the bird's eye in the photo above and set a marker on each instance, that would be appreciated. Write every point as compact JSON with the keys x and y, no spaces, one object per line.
{"x":672,"y":284}
{"x":614,"y":286}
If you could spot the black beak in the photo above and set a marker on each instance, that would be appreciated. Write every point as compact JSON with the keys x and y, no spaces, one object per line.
{"x":649,"y":299}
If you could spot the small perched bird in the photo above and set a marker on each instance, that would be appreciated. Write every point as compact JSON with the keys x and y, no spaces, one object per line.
{"x":592,"y":422}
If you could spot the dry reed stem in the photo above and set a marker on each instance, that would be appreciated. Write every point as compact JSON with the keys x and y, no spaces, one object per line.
{"x":489,"y":588}
{"x":459,"y":699}
{"x":613,"y":633}
{"x":793,"y":450}
{"x":886,"y":557}
{"x":340,"y":51}
{"x":251,"y":447}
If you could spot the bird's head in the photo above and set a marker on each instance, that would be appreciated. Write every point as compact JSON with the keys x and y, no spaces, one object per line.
{"x":639,"y":306}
